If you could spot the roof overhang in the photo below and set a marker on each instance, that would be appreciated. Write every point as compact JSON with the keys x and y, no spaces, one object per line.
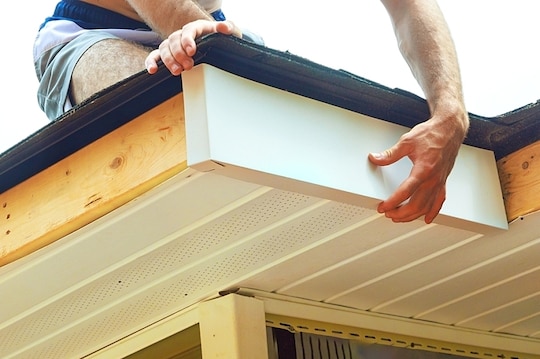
{"x":128,"y":99}
{"x":245,"y":221}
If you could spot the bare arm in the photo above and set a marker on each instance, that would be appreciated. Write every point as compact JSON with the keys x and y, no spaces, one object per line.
{"x":425,"y":42}
{"x":167,"y":16}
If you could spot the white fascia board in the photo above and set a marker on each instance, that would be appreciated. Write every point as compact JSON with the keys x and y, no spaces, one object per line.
{"x":253,"y":132}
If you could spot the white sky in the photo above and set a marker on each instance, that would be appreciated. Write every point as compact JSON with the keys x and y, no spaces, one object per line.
{"x":496,"y":42}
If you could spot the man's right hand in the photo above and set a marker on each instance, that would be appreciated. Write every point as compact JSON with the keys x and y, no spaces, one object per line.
{"x":176,"y":52}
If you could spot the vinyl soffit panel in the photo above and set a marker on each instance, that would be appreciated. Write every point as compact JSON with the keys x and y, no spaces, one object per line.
{"x":210,"y":233}
{"x":157,"y":272}
{"x":291,"y":142}
{"x":130,"y":275}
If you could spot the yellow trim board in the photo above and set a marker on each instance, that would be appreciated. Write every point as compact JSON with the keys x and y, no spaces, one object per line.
{"x":93,"y":181}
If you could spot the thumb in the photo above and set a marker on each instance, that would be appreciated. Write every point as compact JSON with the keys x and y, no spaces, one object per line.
{"x":386,"y":157}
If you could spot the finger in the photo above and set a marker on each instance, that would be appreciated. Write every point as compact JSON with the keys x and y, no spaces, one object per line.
{"x":166,"y":54}
{"x":198,"y":28}
{"x":424,"y":202}
{"x":173,"y":54}
{"x":402,"y":219}
{"x":410,"y":211}
{"x":194,"y":30}
{"x":410,"y":190}
{"x":404,"y":213}
{"x":151,"y":62}
{"x":405,"y":191}
{"x":436,"y":206}
{"x":189,"y":46}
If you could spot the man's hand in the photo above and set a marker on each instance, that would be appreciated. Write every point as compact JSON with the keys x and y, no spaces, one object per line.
{"x":425,"y":42}
{"x":178,"y":49}
{"x":432,"y":146}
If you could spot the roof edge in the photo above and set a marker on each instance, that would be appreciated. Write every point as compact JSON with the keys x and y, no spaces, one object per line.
{"x":119,"y":104}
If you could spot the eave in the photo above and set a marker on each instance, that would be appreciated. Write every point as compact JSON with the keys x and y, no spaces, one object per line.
{"x":106,"y":192}
{"x":503,"y":134}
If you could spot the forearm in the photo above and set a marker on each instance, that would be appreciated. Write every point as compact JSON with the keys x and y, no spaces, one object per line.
{"x":167,"y":16}
{"x":426,"y":44}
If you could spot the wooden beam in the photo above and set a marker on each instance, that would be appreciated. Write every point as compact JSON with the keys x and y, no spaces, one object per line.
{"x":93,"y":181}
{"x":519,"y":173}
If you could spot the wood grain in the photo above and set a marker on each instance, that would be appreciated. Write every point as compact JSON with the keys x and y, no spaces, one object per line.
{"x":519,"y":173}
{"x":93,"y":181}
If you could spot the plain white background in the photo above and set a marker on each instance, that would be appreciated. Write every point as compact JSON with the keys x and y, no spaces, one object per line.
{"x":496,"y":42}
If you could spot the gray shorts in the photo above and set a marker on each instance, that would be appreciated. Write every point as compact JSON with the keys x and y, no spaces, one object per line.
{"x":54,"y":68}
{"x":58,"y":47}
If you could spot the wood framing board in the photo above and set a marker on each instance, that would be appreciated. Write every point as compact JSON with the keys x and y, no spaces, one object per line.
{"x":520,"y":181}
{"x":260,"y":134}
{"x":93,"y":181}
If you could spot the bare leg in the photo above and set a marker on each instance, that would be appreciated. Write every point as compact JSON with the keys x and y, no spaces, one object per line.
{"x":104,"y":64}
